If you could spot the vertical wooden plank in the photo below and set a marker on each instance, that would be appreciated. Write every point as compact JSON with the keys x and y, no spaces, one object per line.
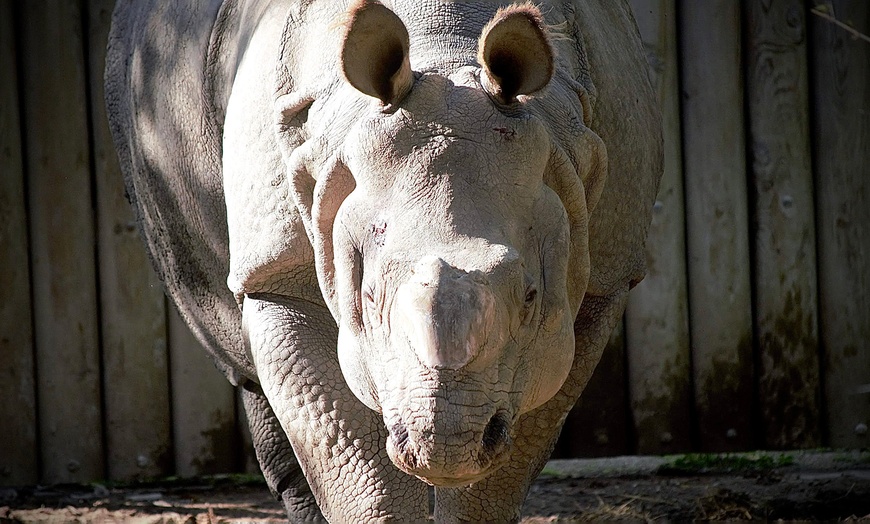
{"x":62,"y":240}
{"x":841,"y":89}
{"x":18,"y":444}
{"x":717,"y":228}
{"x":657,"y":322}
{"x":597,"y":426}
{"x":203,"y":407}
{"x":135,"y":361}
{"x":786,"y":316}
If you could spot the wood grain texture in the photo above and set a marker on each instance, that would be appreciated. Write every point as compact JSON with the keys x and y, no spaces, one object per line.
{"x":62,"y":240}
{"x":657,"y":322}
{"x":717,"y":223}
{"x":597,"y":425}
{"x":133,"y":319}
{"x":841,"y":137}
{"x":784,"y":272}
{"x":203,"y":407}
{"x":18,"y":438}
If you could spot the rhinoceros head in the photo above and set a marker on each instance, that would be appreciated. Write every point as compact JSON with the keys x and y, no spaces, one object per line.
{"x":449,"y":226}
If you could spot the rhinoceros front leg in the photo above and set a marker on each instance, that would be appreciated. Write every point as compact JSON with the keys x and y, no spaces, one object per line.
{"x":499,"y":497}
{"x":277,"y":461}
{"x":339,"y":442}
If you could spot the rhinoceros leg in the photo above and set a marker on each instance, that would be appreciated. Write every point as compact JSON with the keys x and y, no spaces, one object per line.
{"x":277,"y":461}
{"x":339,"y":442}
{"x":499,"y":497}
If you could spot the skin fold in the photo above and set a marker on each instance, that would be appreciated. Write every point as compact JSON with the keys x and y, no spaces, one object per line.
{"x":406,"y":231}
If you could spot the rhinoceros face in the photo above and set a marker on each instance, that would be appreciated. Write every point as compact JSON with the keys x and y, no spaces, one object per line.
{"x":451,"y":258}
{"x":446,"y":258}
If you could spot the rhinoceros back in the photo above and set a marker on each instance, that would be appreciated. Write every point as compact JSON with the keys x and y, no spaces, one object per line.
{"x":164,"y":104}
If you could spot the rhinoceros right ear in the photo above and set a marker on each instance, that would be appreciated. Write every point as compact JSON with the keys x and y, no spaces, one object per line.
{"x":374,"y":54}
{"x":515,"y":53}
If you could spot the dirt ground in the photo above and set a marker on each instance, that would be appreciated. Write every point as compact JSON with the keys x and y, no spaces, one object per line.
{"x":828,"y":486}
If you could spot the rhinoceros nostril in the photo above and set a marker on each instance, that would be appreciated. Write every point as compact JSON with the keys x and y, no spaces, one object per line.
{"x":496,"y":435}
{"x":399,"y":436}
{"x":403,"y":454}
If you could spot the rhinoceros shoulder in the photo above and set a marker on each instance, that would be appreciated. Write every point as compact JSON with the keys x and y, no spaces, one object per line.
{"x":169,"y":68}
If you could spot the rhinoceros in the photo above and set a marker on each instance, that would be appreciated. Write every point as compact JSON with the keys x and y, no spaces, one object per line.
{"x":405,"y":230}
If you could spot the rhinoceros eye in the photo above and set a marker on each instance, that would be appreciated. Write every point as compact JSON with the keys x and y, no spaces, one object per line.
{"x":531,"y":294}
{"x":528,"y":310}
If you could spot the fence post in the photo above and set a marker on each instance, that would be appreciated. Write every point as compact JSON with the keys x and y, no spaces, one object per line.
{"x":62,"y":241}
{"x":841,"y":89}
{"x":18,"y":444}
{"x":203,"y":407}
{"x":657,"y":324}
{"x":784,"y":270}
{"x":717,"y":224}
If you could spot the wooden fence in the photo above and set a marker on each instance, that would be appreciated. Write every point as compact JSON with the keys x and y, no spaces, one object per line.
{"x":751,"y":330}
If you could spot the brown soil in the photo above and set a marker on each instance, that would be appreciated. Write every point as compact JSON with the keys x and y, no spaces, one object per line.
{"x":788,"y":493}
{"x":714,"y":497}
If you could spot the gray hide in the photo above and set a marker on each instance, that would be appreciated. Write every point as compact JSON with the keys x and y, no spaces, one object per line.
{"x":406,"y":231}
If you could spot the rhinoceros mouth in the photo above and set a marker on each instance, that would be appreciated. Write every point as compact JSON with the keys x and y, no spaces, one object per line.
{"x":441,"y":460}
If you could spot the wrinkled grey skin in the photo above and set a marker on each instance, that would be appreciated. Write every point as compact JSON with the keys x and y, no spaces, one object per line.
{"x":409,"y":259}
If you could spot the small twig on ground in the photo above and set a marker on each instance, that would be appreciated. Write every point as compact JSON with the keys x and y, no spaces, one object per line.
{"x":822,"y":11}
{"x":632,"y":498}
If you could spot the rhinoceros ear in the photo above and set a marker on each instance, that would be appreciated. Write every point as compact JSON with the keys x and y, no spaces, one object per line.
{"x":374,"y":54}
{"x":515,"y":53}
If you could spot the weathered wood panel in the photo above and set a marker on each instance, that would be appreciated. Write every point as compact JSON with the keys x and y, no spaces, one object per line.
{"x":597,"y":425}
{"x":203,"y":407}
{"x":784,"y":273}
{"x":657,"y":323}
{"x":133,"y":318}
{"x":62,"y":240}
{"x":841,"y":86}
{"x":717,"y":223}
{"x":18,"y":442}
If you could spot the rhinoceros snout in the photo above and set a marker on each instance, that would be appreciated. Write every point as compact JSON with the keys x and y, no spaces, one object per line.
{"x":447,"y":315}
{"x":451,"y":459}
{"x":496,"y":435}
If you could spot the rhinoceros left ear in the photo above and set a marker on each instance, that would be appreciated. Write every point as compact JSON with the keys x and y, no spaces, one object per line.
{"x":374,"y":54}
{"x":515,"y":53}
